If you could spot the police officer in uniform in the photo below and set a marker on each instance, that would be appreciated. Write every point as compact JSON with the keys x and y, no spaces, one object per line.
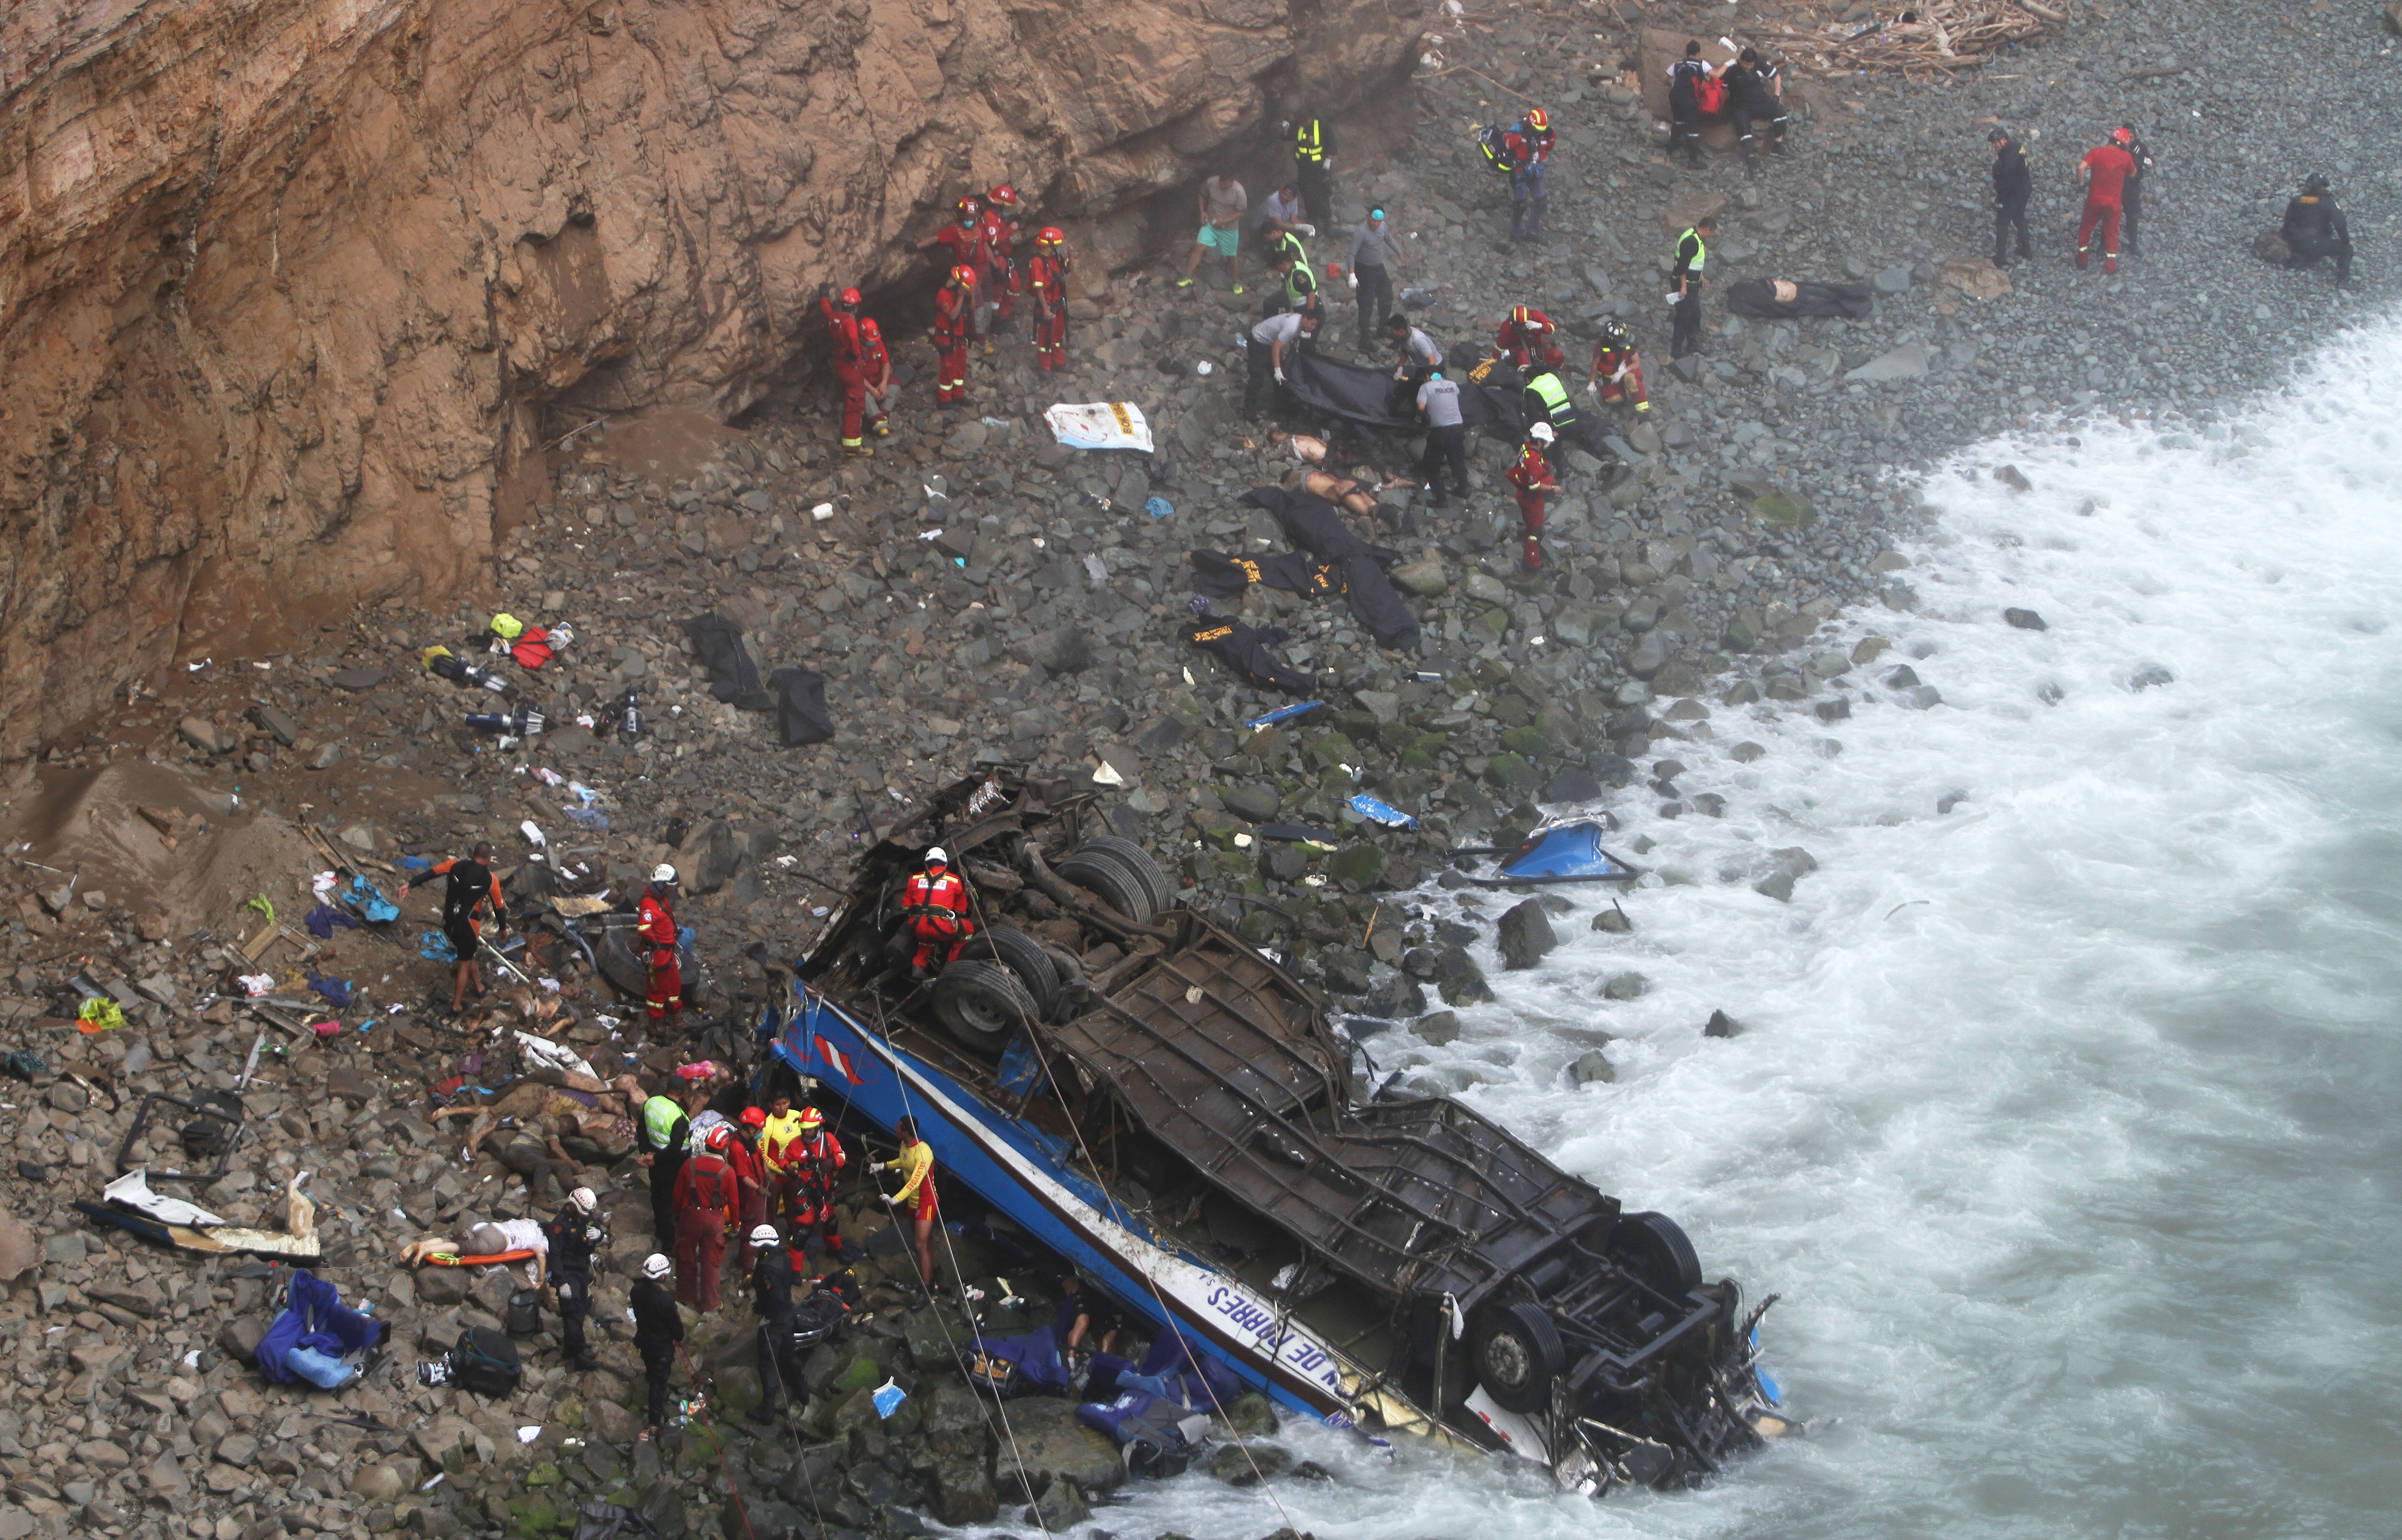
{"x":1692,"y":252}
{"x":771,"y":1301}
{"x":665,"y":1130}
{"x":1313,"y":164}
{"x":575,"y":1233}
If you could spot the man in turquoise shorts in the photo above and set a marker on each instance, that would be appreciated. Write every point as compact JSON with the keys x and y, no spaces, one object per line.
{"x":1222,"y":206}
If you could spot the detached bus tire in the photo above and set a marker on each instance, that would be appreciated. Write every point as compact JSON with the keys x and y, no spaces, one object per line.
{"x":982,"y":1003}
{"x":1517,"y":1353}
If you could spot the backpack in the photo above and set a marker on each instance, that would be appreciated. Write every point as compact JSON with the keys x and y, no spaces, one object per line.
{"x":485,"y":1362}
{"x":1709,"y":95}
{"x":1494,"y":142}
{"x":524,"y":1315}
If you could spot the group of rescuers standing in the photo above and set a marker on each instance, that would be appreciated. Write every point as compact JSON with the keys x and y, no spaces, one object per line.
{"x":713,"y":1176}
{"x":985,"y":280}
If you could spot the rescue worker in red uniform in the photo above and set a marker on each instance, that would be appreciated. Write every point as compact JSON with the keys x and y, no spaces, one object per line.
{"x":1617,"y":369}
{"x":1529,"y":144}
{"x":1002,"y":280}
{"x":812,"y":1163}
{"x":1532,"y":476}
{"x":1526,"y":338}
{"x":876,"y":369}
{"x":843,"y":323}
{"x":936,"y":905}
{"x":708,"y":1198}
{"x":750,"y":1169}
{"x":656,"y":926}
{"x":2103,"y":171}
{"x":962,"y":240}
{"x":1046,"y":278}
{"x":954,"y":325}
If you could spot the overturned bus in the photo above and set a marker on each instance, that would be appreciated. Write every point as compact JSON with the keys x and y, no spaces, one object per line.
{"x":1148,"y":1095}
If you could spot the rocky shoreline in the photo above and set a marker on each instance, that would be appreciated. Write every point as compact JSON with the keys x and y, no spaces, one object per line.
{"x":978,"y":595}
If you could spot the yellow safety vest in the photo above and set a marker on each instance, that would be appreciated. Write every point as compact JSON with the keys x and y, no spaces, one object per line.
{"x":1700,"y":251}
{"x":1307,"y":141}
{"x":1553,"y":395}
{"x":659,"y":1115}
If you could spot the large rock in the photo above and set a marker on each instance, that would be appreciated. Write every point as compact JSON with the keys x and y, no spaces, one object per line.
{"x":1525,"y":935}
{"x":1065,"y":649}
{"x":18,"y":1248}
{"x":1049,"y":1445}
{"x":1974,"y":276}
{"x":636,"y":200}
{"x":1907,"y":361}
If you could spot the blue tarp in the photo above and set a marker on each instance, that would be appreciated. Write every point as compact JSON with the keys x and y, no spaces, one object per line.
{"x":314,"y":1334}
{"x":1036,"y":1357}
{"x":1565,"y":852}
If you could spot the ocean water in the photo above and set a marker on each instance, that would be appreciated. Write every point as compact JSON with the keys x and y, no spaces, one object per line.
{"x":2066,"y":1122}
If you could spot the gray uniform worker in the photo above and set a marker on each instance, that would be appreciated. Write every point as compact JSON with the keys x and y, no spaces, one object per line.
{"x":1375,"y":251}
{"x":1273,"y":341}
{"x":1446,"y":437}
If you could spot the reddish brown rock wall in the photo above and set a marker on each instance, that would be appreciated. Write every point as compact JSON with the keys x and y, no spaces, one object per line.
{"x":288,"y":287}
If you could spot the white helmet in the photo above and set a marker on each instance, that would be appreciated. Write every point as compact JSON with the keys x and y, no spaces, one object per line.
{"x":764,"y":1235}
{"x":1540,"y":433}
{"x":663,"y":872}
{"x":938,"y":853}
{"x":585,"y":1200}
{"x":657,"y":1266}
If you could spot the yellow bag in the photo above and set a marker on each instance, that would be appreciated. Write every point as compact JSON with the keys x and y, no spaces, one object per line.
{"x":507,"y":627}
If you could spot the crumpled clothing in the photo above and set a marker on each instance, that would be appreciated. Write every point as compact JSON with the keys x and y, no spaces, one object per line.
{"x":589,"y":818}
{"x":100,"y":1015}
{"x":370,"y":902}
{"x":325,"y":918}
{"x":434,"y":947}
{"x":254,"y":985}
{"x":337,"y":990}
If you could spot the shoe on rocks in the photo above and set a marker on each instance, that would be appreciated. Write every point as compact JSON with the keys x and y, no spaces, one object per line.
{"x":764,"y":1416}
{"x":1184,"y":283}
{"x":1532,"y":558}
{"x":583,"y":1363}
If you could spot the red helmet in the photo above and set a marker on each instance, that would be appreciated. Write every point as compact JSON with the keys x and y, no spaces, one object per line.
{"x":971,"y":206}
{"x":720,"y":1138}
{"x":2122,"y":136}
{"x":754,"y":1117}
{"x":1538,"y":120}
{"x":851,"y":298}
{"x":1002,"y":196}
{"x":1526,"y":317}
{"x":1052,"y":236}
{"x":963,"y":277}
{"x":871,"y":331}
{"x":811,"y":1118}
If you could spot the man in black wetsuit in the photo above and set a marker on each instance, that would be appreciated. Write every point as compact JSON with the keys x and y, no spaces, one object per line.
{"x":2316,"y":226}
{"x":472,"y":893}
{"x":2013,"y":183}
{"x":2131,"y":200}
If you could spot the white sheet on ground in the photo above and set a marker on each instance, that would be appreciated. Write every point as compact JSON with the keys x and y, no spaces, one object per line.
{"x":132,"y":1190}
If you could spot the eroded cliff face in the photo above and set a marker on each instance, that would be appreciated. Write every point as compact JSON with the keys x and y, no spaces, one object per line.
{"x":289,"y":288}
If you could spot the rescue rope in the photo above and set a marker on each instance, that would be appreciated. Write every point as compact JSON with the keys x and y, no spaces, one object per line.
{"x":739,"y":1507}
{"x":1033,"y":1040}
{"x":901,"y":1080}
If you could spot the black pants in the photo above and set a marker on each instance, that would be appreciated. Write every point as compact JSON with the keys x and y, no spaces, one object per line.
{"x":1444,"y":447}
{"x":1316,"y":186}
{"x":779,"y":1364}
{"x":2006,"y":216}
{"x":657,"y":1363}
{"x":1685,"y":335}
{"x":1742,"y":136}
{"x":2131,"y":209}
{"x":665,"y":1168}
{"x":1375,"y":299}
{"x":1687,"y":131}
{"x":1263,"y":377}
{"x":574,"y":1309}
{"x":2307,"y":249}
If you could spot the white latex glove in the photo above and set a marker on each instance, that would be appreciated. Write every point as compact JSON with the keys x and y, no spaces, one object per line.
{"x":1673,"y":298}
{"x":888,"y":1199}
{"x":1279,"y":376}
{"x":1593,"y":387}
{"x":1353,"y":279}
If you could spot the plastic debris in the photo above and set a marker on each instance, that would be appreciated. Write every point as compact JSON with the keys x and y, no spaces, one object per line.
{"x":1285,"y":713}
{"x":255,"y":984}
{"x":100,"y":1015}
{"x":1158,"y":507}
{"x":1379,"y":812}
{"x":1099,"y":425}
{"x":132,"y":1190}
{"x":888,"y":1397}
